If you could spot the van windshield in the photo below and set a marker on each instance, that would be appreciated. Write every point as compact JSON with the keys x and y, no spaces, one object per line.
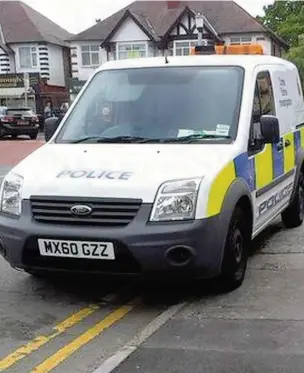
{"x":163,"y":104}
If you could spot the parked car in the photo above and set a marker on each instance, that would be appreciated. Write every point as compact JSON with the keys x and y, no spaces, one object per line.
{"x":2,"y":111}
{"x":19,"y":121}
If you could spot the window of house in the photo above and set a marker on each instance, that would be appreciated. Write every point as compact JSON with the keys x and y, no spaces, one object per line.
{"x":244,"y":40}
{"x":183,"y":48}
{"x":28,"y":57}
{"x":263,"y":104}
{"x":90,"y":55}
{"x":131,"y":50}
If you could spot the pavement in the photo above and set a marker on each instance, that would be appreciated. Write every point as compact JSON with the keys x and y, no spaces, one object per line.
{"x":13,"y":151}
{"x":100,"y":326}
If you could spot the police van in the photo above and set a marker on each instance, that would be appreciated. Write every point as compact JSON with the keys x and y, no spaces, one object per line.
{"x":164,"y":166}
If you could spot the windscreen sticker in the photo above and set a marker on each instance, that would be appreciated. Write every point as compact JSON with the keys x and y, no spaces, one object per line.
{"x":222,"y":130}
{"x":94,"y":174}
{"x":186,"y":132}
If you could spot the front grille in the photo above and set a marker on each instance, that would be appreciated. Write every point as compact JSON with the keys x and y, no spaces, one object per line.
{"x":124,"y":262}
{"x":105,"y":212}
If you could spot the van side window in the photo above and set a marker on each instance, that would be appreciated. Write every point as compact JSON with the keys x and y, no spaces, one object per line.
{"x":263,"y":104}
{"x":266,"y":93}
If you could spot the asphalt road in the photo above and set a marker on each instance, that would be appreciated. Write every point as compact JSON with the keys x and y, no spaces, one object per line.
{"x":82,"y":325}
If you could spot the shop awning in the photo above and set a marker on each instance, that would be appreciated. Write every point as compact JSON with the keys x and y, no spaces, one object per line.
{"x":11,"y":92}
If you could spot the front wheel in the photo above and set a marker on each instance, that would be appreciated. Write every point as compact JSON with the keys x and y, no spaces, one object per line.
{"x":293,"y":216}
{"x":236,"y":252}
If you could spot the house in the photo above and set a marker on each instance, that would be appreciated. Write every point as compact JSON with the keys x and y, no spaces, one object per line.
{"x":152,"y":28}
{"x":34,"y":57}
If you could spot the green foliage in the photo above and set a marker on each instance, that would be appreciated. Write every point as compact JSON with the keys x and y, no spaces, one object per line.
{"x":296,"y":55}
{"x":286,"y":18}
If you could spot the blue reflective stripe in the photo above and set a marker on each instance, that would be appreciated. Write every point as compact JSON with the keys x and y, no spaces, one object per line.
{"x":244,"y":168}
{"x":278,"y":162}
{"x":297,"y":140}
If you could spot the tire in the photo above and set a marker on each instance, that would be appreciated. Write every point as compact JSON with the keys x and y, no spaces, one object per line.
{"x":14,"y":137}
{"x":235,"y":253}
{"x":34,"y":136}
{"x":293,"y":216}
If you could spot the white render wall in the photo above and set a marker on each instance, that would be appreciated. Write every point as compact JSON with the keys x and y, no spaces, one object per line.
{"x":128,"y":32}
{"x":78,"y":70}
{"x":50,"y":62}
{"x":56,"y":65}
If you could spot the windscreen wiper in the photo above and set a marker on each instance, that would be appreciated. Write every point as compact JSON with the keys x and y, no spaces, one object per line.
{"x":138,"y":139}
{"x":196,"y":137}
{"x":118,"y":139}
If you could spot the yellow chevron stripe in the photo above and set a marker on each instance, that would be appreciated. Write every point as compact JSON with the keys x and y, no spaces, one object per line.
{"x":219,"y":189}
{"x":264,"y":167}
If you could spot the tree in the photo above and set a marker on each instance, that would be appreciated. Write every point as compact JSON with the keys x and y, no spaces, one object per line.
{"x":286,"y":18}
{"x":296,"y":55}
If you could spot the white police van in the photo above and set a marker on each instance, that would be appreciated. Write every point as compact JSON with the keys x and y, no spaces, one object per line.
{"x":162,"y":166}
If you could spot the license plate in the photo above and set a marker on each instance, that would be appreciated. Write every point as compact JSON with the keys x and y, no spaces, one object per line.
{"x":76,"y":249}
{"x":22,"y":123}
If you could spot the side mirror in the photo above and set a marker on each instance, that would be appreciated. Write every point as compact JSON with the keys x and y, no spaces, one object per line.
{"x":270,"y":129}
{"x":50,"y":127}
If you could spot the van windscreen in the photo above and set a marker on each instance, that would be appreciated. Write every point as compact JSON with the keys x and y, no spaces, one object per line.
{"x":157,"y":104}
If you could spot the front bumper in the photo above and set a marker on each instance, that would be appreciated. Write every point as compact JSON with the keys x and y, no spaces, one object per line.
{"x":141,"y":248}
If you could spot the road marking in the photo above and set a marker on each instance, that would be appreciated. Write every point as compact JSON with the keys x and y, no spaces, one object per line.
{"x":65,"y":352}
{"x":40,"y":341}
{"x":115,"y":360}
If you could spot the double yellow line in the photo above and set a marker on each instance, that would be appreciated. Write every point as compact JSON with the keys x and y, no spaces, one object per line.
{"x":69,"y":349}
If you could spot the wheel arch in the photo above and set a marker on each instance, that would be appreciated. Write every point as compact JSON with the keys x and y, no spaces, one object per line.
{"x":300,"y":169}
{"x":238,"y":195}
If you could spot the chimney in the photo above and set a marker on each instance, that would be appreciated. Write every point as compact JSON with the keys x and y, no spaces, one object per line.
{"x":173,"y":4}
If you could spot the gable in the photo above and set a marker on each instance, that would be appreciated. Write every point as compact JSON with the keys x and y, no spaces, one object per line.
{"x":129,"y":31}
{"x":185,"y":26}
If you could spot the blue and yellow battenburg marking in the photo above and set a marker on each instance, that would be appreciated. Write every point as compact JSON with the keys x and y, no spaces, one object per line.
{"x":258,"y":171}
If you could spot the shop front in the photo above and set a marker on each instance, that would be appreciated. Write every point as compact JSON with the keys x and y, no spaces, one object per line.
{"x":17,"y":90}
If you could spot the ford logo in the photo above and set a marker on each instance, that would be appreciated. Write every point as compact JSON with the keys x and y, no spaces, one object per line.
{"x":81,"y":210}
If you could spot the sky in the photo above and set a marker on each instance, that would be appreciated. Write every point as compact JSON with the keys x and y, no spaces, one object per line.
{"x":76,"y":16}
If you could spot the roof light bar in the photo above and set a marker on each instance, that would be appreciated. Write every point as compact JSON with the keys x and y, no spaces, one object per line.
{"x":251,"y":49}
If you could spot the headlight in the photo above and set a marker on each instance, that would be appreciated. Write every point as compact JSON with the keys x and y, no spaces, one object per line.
{"x":11,"y":195}
{"x":176,"y":200}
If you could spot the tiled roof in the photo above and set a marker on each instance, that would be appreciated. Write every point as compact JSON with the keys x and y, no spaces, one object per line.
{"x":226,"y":17}
{"x":20,"y":24}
